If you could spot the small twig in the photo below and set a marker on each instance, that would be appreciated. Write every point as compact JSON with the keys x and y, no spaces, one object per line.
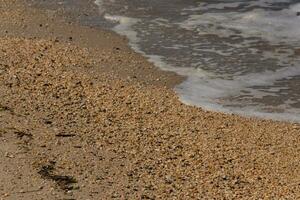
{"x":65,"y":135}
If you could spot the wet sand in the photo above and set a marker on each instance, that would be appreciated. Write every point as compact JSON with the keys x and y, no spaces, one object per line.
{"x":84,"y":117}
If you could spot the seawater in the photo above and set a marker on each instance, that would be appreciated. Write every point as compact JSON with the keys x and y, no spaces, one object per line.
{"x":239,"y":56}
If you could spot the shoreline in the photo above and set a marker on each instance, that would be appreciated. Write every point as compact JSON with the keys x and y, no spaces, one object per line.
{"x":84,"y":117}
{"x":85,"y":13}
{"x":87,"y":35}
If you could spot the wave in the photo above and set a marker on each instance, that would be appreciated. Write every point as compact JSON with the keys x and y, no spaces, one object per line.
{"x":208,"y":87}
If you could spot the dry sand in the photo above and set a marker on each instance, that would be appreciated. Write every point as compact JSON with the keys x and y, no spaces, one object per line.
{"x":84,"y":117}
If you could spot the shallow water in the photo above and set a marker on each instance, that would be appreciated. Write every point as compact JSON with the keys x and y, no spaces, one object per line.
{"x":240,"y":56}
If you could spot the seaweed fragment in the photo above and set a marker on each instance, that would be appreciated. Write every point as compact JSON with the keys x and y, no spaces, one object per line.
{"x":63,"y":182}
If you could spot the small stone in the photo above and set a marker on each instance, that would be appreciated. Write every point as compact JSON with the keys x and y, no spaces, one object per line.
{"x":296,"y":127}
{"x":168,"y":179}
{"x":8,"y":155}
{"x":224,"y":177}
{"x":69,"y":192}
{"x":115,"y":195}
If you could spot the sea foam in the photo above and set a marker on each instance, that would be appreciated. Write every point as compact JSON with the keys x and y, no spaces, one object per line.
{"x":213,"y":89}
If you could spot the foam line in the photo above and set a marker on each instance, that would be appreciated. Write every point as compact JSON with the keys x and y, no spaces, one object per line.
{"x":208,"y":90}
{"x":272,"y":25}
